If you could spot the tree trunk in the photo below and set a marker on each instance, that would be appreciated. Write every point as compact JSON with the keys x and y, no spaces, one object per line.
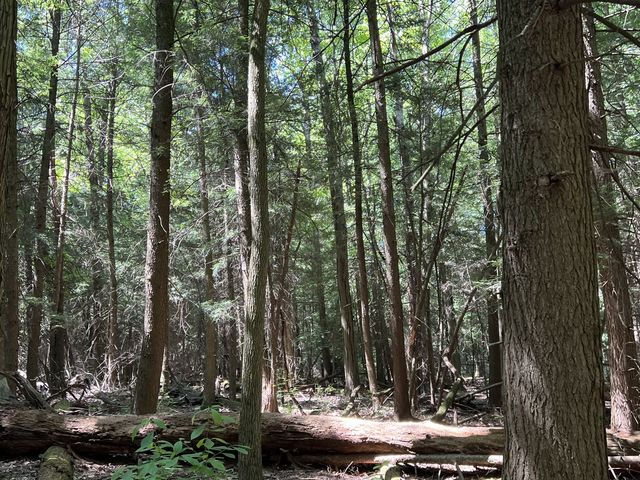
{"x":36,"y":307}
{"x":28,"y":432}
{"x":490,"y":273}
{"x":95,"y":175}
{"x":402,"y":406}
{"x":58,"y":337}
{"x":210,"y":329}
{"x":112,"y":325}
{"x":250,"y":465}
{"x":9,"y":282}
{"x":316,"y":260}
{"x":553,"y":370}
{"x":613,"y":276}
{"x":156,"y":314}
{"x":337,"y":208}
{"x":363,"y":281}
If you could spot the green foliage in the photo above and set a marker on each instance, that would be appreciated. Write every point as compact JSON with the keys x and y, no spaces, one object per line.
{"x":200,"y":455}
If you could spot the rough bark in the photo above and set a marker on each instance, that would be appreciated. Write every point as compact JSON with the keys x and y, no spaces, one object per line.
{"x":402,"y":405}
{"x":624,"y":380}
{"x":9,"y":281}
{"x":363,"y":281}
{"x":25,"y":432}
{"x":250,"y":465}
{"x":337,"y":207}
{"x":157,"y":260}
{"x":553,"y":371}
{"x":36,"y":307}
{"x":490,"y":273}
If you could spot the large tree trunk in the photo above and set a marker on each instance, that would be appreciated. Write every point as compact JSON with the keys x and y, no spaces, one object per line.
{"x":36,"y":307}
{"x":156,"y":315}
{"x":402,"y":406}
{"x":250,"y":465}
{"x":26,"y":432}
{"x":337,"y":207}
{"x":9,"y":287}
{"x":490,"y":273}
{"x":613,"y":275}
{"x":553,"y":367}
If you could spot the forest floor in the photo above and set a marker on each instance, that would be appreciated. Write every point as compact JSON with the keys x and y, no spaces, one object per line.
{"x":324,"y":401}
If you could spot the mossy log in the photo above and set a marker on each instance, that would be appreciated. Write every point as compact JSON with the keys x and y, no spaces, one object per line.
{"x":56,"y":465}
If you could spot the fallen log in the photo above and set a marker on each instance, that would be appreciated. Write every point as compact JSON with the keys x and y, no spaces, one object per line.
{"x":25,"y":432}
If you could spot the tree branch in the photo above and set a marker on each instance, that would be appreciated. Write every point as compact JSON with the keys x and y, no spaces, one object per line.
{"x":430,"y":53}
{"x":569,"y":3}
{"x":607,"y":23}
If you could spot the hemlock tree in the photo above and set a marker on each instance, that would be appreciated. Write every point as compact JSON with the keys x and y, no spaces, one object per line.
{"x":249,"y":435}
{"x":9,"y":288}
{"x":156,"y":310}
{"x":553,"y":371}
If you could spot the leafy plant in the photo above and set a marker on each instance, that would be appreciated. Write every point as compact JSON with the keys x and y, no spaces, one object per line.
{"x":199,"y":455}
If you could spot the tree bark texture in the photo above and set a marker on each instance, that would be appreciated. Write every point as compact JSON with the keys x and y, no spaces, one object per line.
{"x":156,"y":315}
{"x":625,"y":383}
{"x":35,"y":311}
{"x":402,"y":406}
{"x":9,"y":281}
{"x":250,"y":465}
{"x":553,"y":372}
{"x":27,"y":432}
{"x":337,"y":208}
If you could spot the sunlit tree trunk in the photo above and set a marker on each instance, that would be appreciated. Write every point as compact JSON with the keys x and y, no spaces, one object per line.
{"x":552,"y":364}
{"x":112,"y":324}
{"x":337,"y":207}
{"x":36,"y":307}
{"x":58,"y":337}
{"x":363,"y":281}
{"x":250,"y":465}
{"x":623,"y":366}
{"x":490,"y":273}
{"x":157,"y":262}
{"x":210,"y":329}
{"x":402,"y":406}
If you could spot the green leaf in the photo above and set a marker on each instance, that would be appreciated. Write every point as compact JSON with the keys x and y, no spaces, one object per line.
{"x":147,"y":443}
{"x":197,"y":432}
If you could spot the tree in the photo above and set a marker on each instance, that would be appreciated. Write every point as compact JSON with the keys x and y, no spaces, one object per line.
{"x":402,"y":405}
{"x":337,"y":207}
{"x":156,"y":311}
{"x":625,"y":383}
{"x":36,"y":307}
{"x":553,"y":372}
{"x":488,"y":209}
{"x":9,"y":286}
{"x":250,"y":465}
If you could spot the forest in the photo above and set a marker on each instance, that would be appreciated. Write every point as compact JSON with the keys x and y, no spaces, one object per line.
{"x":306,"y":239}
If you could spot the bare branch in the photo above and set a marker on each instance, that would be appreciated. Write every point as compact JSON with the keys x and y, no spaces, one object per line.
{"x":606,"y":22}
{"x":439,"y":48}
{"x":569,"y":3}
